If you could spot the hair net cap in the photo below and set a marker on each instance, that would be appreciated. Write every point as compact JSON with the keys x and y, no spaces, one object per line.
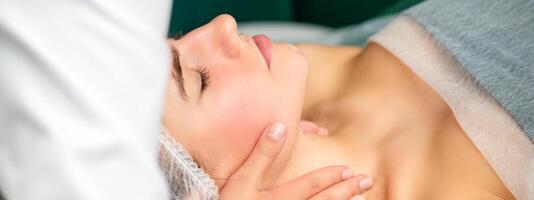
{"x":185,"y":178}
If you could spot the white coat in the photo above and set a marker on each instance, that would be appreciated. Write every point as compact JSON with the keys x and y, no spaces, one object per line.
{"x":81,"y":93}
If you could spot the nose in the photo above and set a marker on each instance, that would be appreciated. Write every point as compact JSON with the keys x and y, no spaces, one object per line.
{"x":224,"y":32}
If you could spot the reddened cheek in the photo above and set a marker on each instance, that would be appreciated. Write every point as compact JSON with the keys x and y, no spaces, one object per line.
{"x":239,"y":118}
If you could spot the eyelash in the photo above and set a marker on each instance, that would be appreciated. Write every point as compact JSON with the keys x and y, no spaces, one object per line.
{"x":204,"y":78}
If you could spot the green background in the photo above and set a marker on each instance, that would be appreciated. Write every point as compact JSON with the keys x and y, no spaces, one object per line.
{"x":188,"y":14}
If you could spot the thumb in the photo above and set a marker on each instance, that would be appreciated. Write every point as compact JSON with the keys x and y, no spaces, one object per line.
{"x":262,"y":156}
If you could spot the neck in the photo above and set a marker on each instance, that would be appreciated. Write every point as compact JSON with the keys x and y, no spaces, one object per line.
{"x":383,"y":115}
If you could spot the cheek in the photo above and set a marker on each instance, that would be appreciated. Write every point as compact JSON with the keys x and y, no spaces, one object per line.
{"x":242,"y":105}
{"x":241,"y":118}
{"x":237,"y":116}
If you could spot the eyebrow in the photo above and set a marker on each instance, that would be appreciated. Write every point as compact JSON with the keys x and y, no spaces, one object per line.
{"x":178,"y":69}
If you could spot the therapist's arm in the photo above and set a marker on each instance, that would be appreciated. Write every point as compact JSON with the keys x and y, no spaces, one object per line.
{"x":81,"y":88}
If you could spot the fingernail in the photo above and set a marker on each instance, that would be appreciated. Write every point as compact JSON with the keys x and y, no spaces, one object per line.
{"x":276,"y":131}
{"x":322,"y":131}
{"x":359,"y":197}
{"x":346,"y":174}
{"x":366,"y":183}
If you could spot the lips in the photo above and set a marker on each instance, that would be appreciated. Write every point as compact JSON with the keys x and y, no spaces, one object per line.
{"x":264,"y":44}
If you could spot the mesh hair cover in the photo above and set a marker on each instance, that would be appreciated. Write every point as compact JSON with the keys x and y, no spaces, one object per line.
{"x":186,"y":180}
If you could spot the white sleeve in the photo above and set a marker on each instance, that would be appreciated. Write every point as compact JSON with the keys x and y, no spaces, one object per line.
{"x":81,"y":92}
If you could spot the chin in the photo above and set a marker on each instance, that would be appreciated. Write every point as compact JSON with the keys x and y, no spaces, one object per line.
{"x":244,"y":114}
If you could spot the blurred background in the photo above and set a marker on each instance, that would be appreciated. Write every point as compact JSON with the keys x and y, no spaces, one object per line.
{"x":188,"y":14}
{"x":345,"y":22}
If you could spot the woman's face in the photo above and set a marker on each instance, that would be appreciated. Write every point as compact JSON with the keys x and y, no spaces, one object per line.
{"x":230,"y":94}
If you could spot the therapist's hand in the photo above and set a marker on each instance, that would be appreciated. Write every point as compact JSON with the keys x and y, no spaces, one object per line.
{"x":312,"y":128}
{"x":335,"y":182}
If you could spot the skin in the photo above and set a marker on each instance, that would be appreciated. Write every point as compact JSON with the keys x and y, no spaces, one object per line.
{"x":325,"y":183}
{"x":386,"y":122}
{"x":381,"y":118}
{"x":221,"y":124}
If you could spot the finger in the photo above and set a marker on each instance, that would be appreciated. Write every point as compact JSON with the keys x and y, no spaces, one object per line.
{"x":346,"y":189}
{"x":308,"y":127}
{"x":262,"y":156}
{"x":312,"y":128}
{"x":313,"y":182}
{"x":358,"y":197}
{"x":322,"y":131}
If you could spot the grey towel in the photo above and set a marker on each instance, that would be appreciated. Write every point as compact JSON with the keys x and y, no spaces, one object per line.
{"x":494,"y":41}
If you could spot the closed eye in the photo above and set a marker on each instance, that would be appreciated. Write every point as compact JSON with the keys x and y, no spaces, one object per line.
{"x":204,"y":78}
